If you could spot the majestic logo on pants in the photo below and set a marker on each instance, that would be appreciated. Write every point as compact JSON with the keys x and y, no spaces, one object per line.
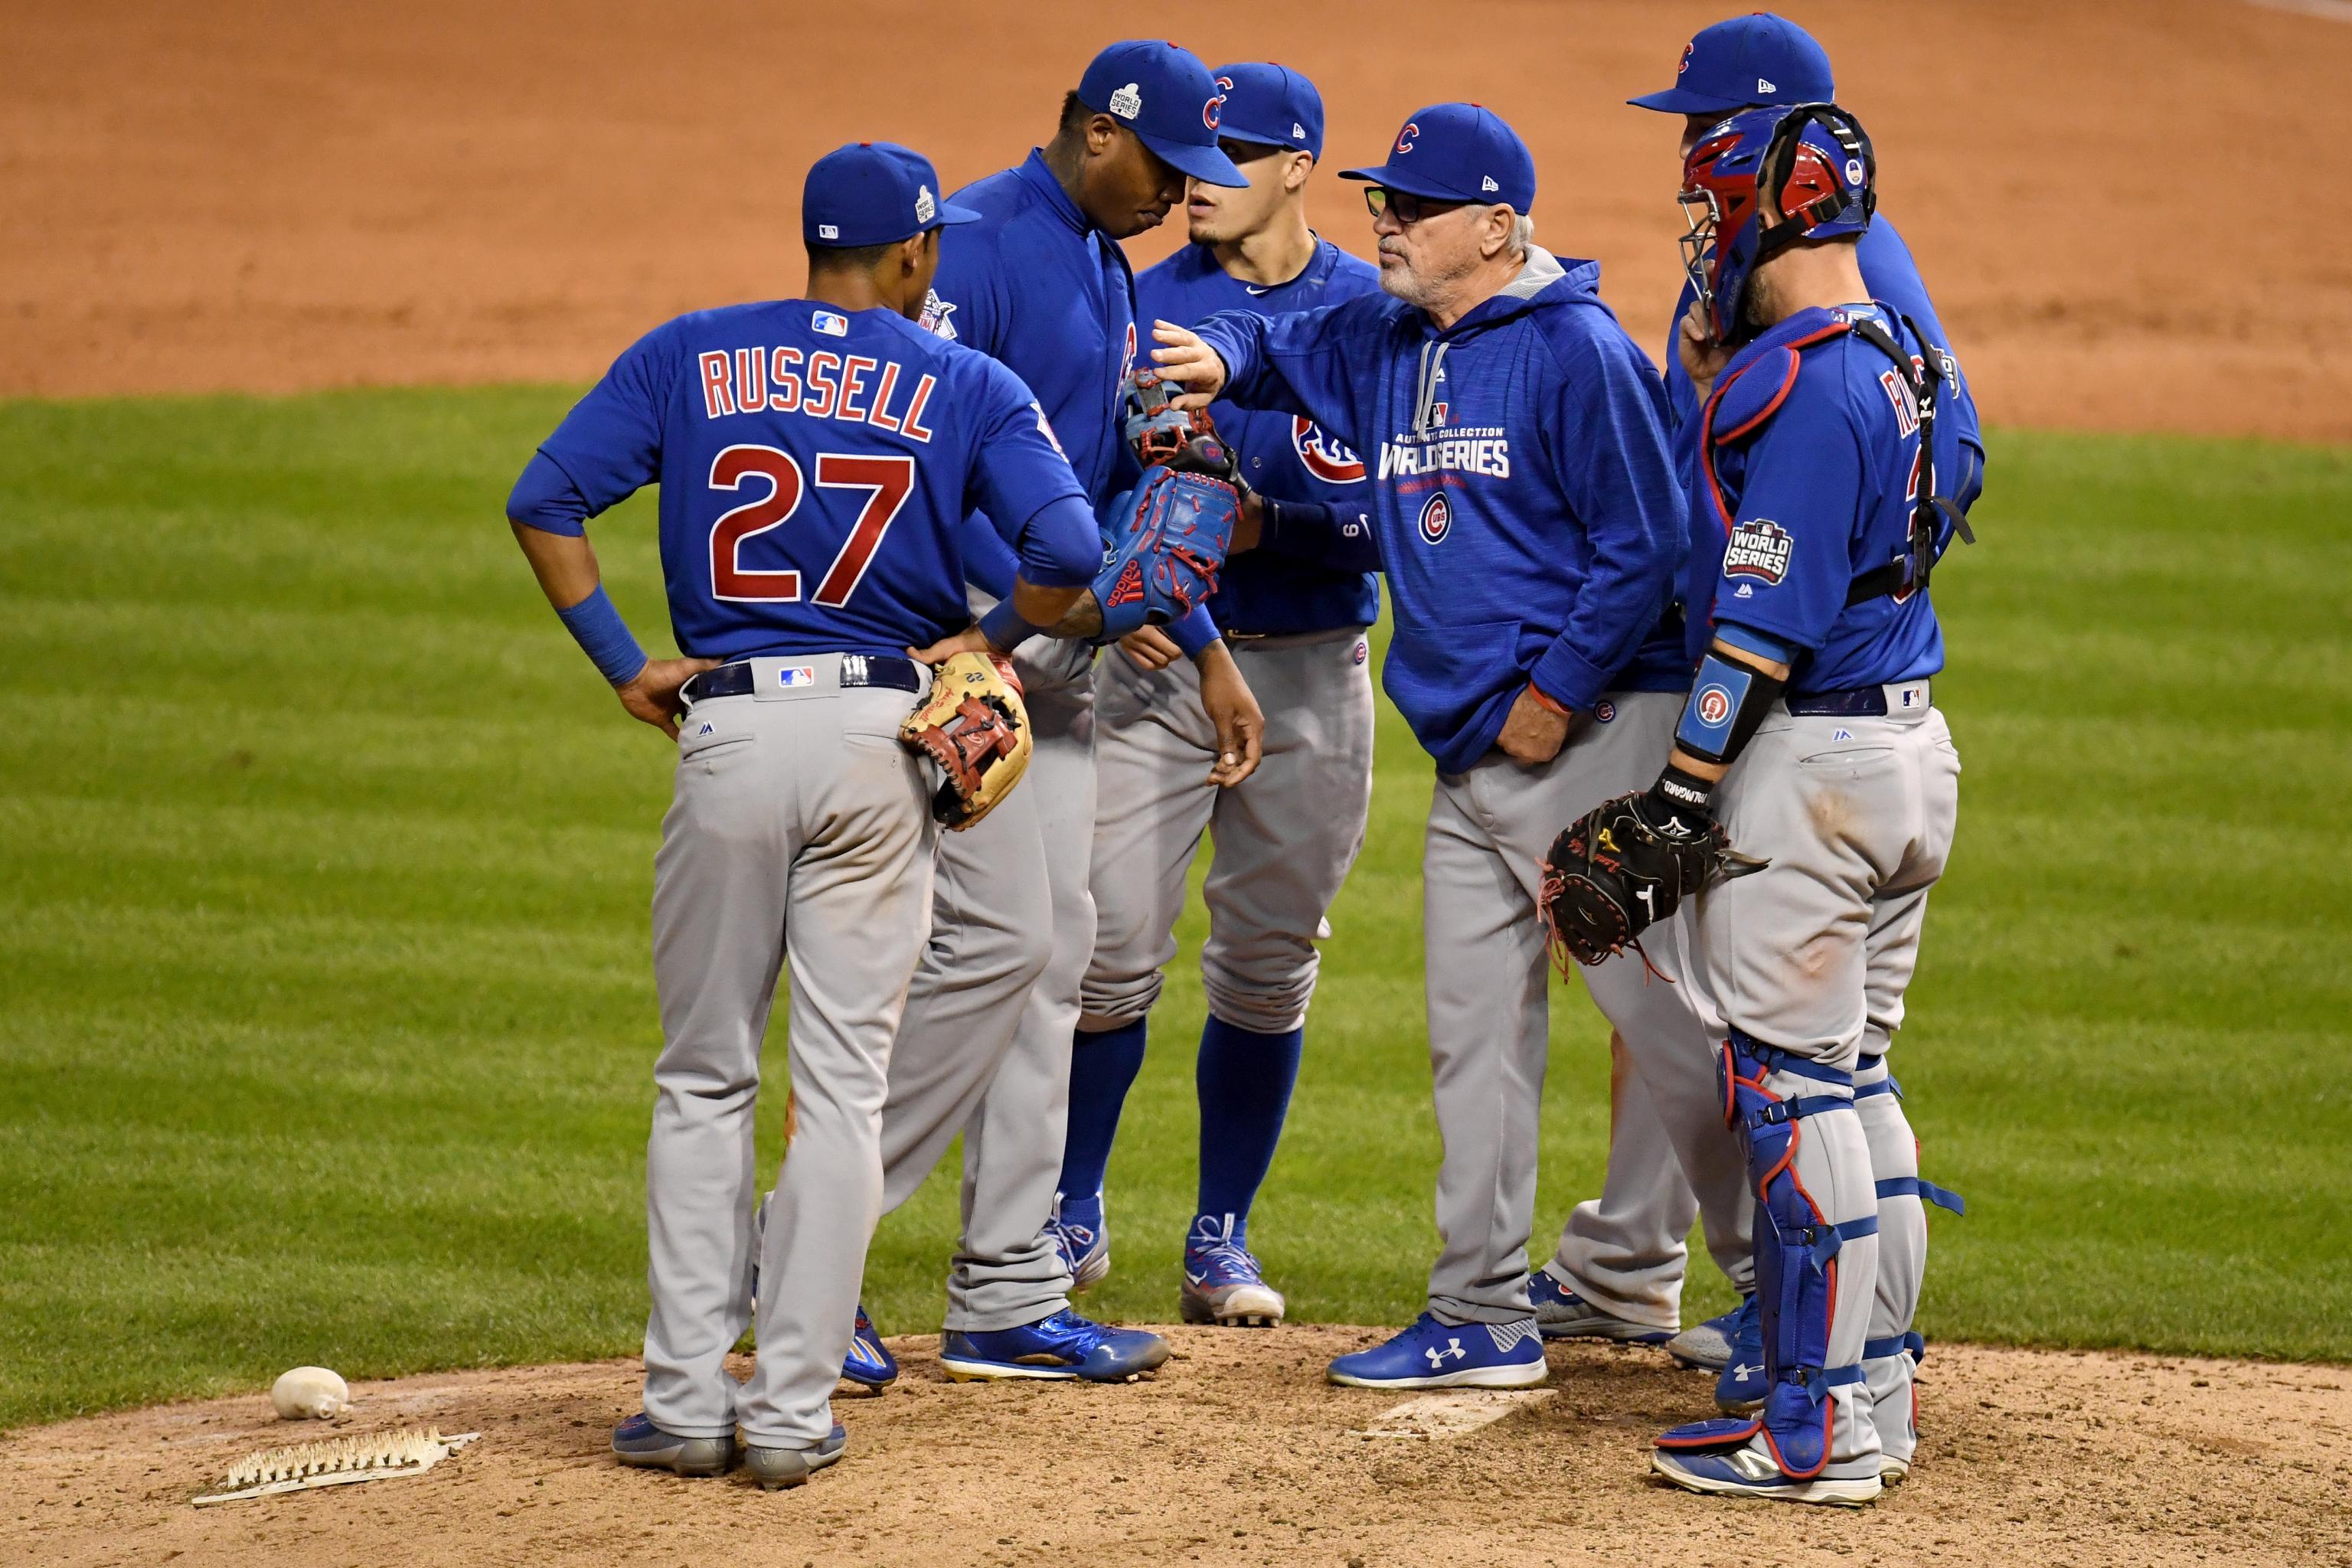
{"x":1436,"y":519}
{"x":1760,"y":548}
{"x":1323,"y":456}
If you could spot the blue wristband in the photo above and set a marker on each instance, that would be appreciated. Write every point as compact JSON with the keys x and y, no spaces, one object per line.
{"x":604,"y":638}
{"x":1005,"y":627}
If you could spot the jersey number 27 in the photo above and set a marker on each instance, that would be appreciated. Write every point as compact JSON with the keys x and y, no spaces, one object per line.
{"x":887,"y":480}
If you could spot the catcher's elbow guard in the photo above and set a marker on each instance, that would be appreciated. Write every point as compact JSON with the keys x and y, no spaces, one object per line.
{"x":974,"y":726}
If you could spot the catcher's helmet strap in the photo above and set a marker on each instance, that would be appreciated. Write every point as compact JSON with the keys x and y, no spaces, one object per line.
{"x":1909,"y":574}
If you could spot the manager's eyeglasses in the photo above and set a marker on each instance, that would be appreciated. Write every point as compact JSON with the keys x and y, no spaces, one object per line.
{"x":1409,"y":209}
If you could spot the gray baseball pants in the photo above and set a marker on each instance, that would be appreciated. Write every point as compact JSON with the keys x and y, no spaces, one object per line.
{"x":1488,"y":986}
{"x":1812,"y":954}
{"x":800,"y":832}
{"x":1625,"y":1251}
{"x":984,"y":1047}
{"x":1284,"y":838}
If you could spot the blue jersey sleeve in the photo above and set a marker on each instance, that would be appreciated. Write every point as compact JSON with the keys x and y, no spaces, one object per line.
{"x":610,"y":445}
{"x":1021,"y":481}
{"x":1617,"y":476}
{"x":969,"y":302}
{"x":1320,"y":533}
{"x":1296,"y":364}
{"x":1790,"y":561}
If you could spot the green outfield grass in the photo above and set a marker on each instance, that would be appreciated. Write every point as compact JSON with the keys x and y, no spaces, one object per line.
{"x":324,"y":860}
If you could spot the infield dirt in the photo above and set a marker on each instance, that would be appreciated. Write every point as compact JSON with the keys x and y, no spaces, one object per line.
{"x":1238,"y":1452}
{"x":2124,"y":207}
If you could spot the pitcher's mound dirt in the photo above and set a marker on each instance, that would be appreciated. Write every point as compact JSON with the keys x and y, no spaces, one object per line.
{"x":1238,"y":1452}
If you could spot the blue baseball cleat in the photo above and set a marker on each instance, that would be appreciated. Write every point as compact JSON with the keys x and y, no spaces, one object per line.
{"x":1749,"y":1471}
{"x":869,"y":1363}
{"x":1223,"y":1282}
{"x":637,"y":1441}
{"x":1742,"y":1386}
{"x":1562,"y":1314}
{"x":1708,"y":1346}
{"x":775,"y":1468}
{"x":1082,"y":1234}
{"x":1430,"y":1354}
{"x":1062,"y":1347}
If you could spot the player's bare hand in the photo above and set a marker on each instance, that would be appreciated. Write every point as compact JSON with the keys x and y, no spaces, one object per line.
{"x":651,"y":695}
{"x":1181,"y":357}
{"x":1703,"y":358}
{"x":1240,"y":727}
{"x":1249,"y":526}
{"x":1148,"y":648}
{"x":972,"y":639}
{"x":1533,"y":733}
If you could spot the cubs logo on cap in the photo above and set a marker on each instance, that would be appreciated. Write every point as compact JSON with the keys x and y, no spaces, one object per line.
{"x":1754,"y":59}
{"x":1270,"y":105}
{"x":1168,"y":99}
{"x":1457,"y":153}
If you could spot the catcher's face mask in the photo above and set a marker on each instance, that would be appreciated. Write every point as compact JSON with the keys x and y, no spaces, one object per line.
{"x":1812,"y":162}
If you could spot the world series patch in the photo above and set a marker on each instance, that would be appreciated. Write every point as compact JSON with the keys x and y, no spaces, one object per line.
{"x":1760,"y":548}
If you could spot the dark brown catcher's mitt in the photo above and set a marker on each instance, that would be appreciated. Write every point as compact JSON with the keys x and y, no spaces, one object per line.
{"x":1623,"y":867}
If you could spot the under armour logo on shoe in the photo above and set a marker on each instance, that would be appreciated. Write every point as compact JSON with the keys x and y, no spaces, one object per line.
{"x":1745,"y":1370}
{"x":1453,"y":1348}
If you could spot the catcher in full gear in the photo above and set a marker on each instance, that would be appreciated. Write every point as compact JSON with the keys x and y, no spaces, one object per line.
{"x":1809,"y":743}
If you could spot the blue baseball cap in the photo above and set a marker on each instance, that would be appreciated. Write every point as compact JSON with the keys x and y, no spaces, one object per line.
{"x":1457,"y":153}
{"x":1271,"y":105}
{"x":873,"y":192}
{"x":1167,"y":97}
{"x":1758,"y":59}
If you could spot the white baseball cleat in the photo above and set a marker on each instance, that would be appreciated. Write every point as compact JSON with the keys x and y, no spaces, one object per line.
{"x":1750,"y":1472}
{"x":1222,"y":1282}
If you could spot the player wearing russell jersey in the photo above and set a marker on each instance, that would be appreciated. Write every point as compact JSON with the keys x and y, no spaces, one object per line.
{"x":1829,"y":437}
{"x":816,"y":458}
{"x":1285,"y":839}
{"x":983,"y":1049}
{"x":1530,"y":527}
{"x":1621,"y":1261}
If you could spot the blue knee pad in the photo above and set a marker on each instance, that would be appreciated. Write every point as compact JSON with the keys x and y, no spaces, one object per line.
{"x":1795,"y":1247}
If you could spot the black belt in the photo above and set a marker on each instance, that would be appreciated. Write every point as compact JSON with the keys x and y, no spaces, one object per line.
{"x":857,"y":669}
{"x":1858,"y":703}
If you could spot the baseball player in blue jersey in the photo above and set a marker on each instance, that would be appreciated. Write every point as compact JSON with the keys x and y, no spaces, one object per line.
{"x":1531,"y":525}
{"x":1038,"y":283}
{"x":1621,"y":1256}
{"x":1284,"y":840}
{"x":1830,"y":476}
{"x":816,"y":458}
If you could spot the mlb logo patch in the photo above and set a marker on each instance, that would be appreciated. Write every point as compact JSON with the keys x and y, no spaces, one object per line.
{"x":796,"y":675}
{"x":828,"y":323}
{"x":828,"y":231}
{"x":1760,"y":548}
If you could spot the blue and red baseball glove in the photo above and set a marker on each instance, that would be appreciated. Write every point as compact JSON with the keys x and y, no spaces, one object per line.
{"x":1170,"y":531}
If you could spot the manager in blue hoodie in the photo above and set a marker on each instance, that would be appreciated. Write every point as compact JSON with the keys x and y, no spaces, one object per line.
{"x":1529,"y":520}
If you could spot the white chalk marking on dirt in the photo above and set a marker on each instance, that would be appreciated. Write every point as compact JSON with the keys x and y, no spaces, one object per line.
{"x":2325,"y":10}
{"x":1448,"y":1415}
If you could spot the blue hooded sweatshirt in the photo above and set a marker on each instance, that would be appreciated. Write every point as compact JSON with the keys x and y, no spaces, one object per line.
{"x":1525,"y":498}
